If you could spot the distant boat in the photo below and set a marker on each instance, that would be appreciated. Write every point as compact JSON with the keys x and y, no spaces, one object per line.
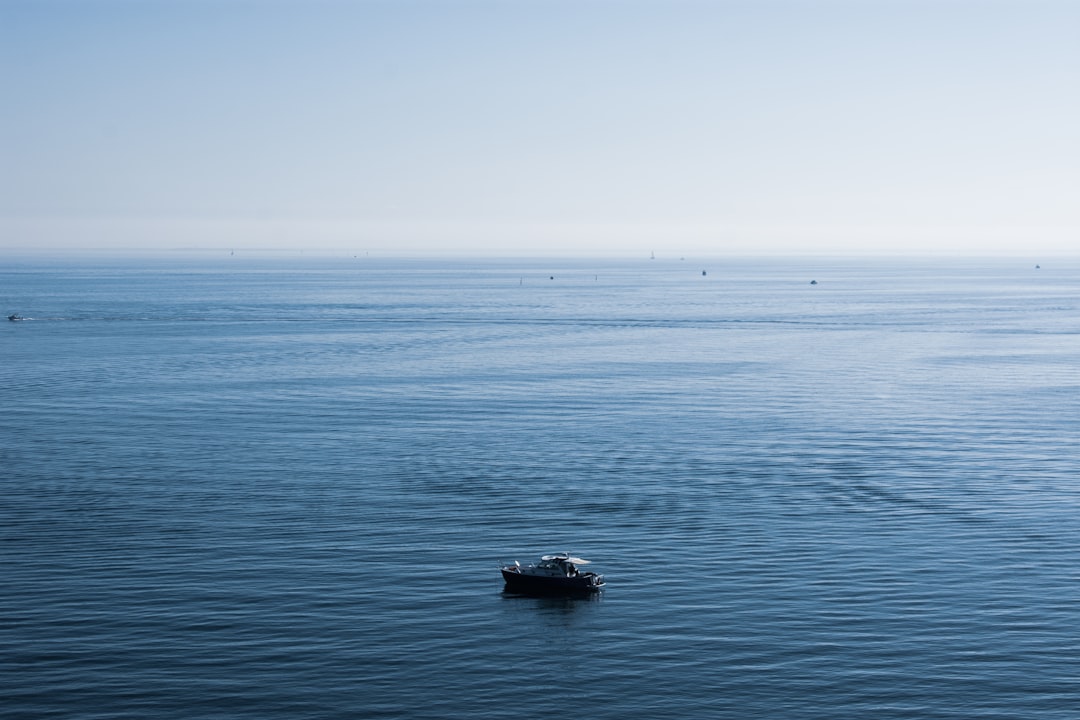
{"x":813,"y":282}
{"x":14,"y":318}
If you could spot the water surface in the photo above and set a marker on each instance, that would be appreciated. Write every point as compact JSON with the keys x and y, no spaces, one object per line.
{"x":281,"y":489}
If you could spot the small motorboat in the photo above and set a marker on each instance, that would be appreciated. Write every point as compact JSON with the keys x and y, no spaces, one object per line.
{"x":553,"y":574}
{"x":14,"y":318}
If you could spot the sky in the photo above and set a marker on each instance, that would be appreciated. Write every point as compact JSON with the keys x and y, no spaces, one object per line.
{"x":541,"y":127}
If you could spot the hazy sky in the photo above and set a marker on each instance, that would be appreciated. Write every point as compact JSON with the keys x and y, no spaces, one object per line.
{"x":544,"y":126}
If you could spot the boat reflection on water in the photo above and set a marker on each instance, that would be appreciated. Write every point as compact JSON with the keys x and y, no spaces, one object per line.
{"x":552,"y":604}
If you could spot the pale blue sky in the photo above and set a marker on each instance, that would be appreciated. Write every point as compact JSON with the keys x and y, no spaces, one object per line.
{"x":585,"y":126}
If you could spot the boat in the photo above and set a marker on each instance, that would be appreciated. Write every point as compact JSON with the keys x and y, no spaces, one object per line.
{"x":14,"y":318}
{"x":552,"y":574}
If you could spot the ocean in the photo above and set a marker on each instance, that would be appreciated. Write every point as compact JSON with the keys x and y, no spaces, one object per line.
{"x":269,"y":488}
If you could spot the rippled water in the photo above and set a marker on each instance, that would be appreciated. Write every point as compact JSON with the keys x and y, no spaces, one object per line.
{"x":281,"y":489}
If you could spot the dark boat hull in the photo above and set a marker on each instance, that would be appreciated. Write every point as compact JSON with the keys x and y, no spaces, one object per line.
{"x":540,"y":584}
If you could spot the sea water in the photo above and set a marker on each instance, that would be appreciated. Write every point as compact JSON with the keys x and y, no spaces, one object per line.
{"x":281,"y":488}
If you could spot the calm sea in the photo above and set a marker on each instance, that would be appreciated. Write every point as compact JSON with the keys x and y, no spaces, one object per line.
{"x":240,"y":488}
